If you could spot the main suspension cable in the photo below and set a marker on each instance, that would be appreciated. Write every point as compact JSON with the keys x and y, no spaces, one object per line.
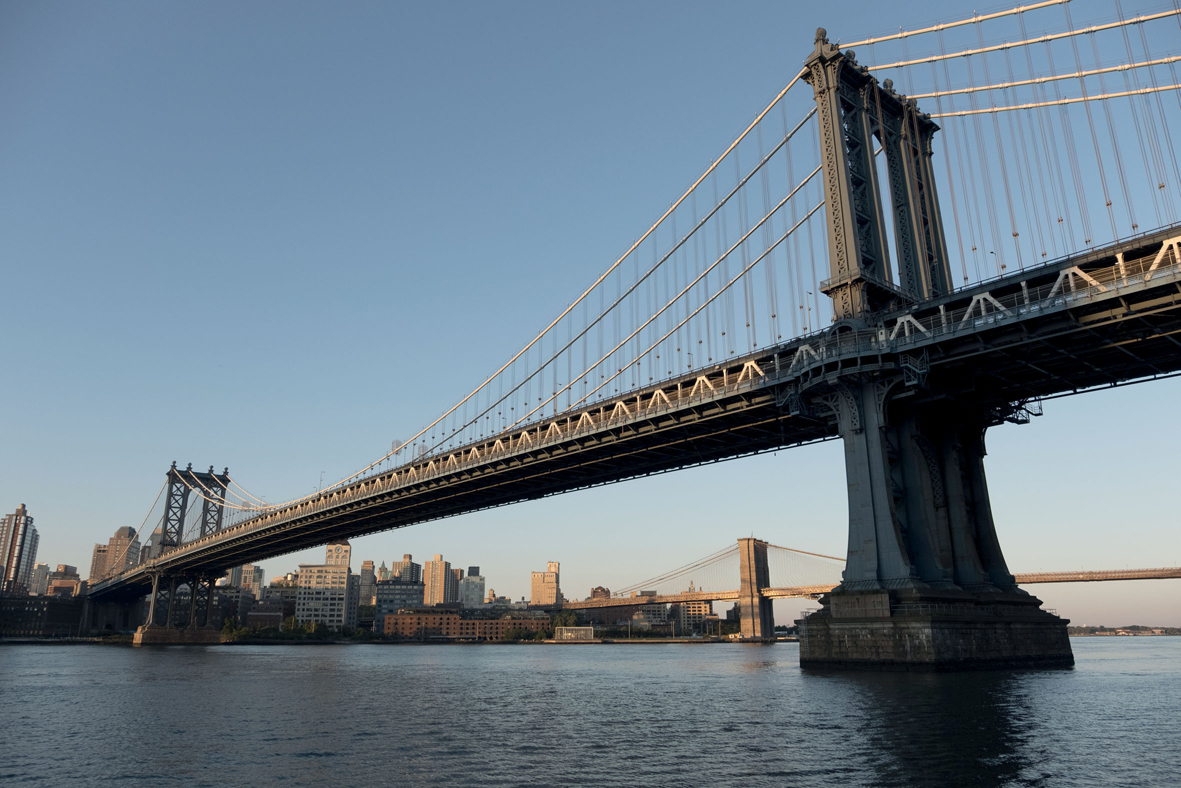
{"x":1009,"y":45}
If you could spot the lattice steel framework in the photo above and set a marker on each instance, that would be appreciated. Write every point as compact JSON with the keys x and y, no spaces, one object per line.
{"x":176,"y":504}
{"x":854,"y":112}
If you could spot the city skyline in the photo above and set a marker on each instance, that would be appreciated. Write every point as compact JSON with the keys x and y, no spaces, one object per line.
{"x":97,"y":396}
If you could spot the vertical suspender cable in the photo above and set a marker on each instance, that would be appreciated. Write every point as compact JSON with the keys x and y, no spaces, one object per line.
{"x":955,"y":211}
{"x":1040,"y":223}
{"x":1115,"y":144}
{"x":1091,"y":123}
{"x":958,"y":131}
{"x":1072,"y":156}
{"x":1160,"y":197}
{"x":1065,"y":227}
{"x":990,"y":201}
{"x":1000,"y":147}
{"x":1168,"y":137}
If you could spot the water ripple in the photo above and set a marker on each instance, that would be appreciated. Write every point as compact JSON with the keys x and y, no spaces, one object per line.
{"x":557,"y":716}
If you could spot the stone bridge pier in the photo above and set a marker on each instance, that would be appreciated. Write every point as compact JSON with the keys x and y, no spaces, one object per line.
{"x":175,"y":617}
{"x":925,"y":584}
{"x":757,"y":620}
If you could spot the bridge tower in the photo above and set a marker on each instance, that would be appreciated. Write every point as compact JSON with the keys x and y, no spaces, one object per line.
{"x":167,"y":621}
{"x":926,"y":583}
{"x":757,"y":619}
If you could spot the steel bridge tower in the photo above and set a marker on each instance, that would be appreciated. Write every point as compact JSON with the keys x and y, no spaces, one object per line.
{"x":167,"y":620}
{"x":926,"y":583}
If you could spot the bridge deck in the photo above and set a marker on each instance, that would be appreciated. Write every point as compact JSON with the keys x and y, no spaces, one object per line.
{"x":1036,"y":333}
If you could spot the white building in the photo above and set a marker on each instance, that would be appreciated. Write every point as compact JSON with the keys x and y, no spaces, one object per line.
{"x":471,"y":588}
{"x":329,"y":593}
{"x":251,"y":577}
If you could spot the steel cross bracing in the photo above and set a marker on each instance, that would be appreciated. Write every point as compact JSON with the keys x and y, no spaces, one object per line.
{"x":1103,"y":318}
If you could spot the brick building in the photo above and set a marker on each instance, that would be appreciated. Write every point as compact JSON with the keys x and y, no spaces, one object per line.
{"x":446,"y":624}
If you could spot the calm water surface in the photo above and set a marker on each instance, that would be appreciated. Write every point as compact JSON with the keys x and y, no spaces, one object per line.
{"x":651,"y":715}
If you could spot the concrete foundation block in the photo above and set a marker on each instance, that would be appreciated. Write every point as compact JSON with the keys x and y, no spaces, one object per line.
{"x":171,"y":636}
{"x":933,"y":632}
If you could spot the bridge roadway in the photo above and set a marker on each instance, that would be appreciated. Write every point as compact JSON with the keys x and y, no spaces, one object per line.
{"x":816,"y":591}
{"x":1096,"y":319}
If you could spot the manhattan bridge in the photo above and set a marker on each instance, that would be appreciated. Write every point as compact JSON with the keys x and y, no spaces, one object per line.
{"x":924,"y":235}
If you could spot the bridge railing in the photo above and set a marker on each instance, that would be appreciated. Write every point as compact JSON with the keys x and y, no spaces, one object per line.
{"x":725,"y":381}
{"x":1069,"y":289}
{"x":983,"y":309}
{"x":810,"y":350}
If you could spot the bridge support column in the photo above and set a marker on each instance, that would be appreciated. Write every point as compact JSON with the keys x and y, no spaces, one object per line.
{"x":201,"y":589}
{"x":925,"y":584}
{"x":755,"y":613}
{"x":193,"y":595}
{"x":163,"y":605}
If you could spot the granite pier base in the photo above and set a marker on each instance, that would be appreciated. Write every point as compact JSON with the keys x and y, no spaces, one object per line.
{"x":174,"y":636}
{"x":927,"y":630}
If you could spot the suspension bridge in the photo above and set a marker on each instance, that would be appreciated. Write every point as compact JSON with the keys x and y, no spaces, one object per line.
{"x":765,"y":572}
{"x":854,"y":267}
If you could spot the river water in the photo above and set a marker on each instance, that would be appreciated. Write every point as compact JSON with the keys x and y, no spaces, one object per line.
{"x":651,"y":715}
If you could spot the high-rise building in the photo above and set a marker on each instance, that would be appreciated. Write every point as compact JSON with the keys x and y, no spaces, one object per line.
{"x":382,"y":573}
{"x":152,"y":548}
{"x":367,"y":582}
{"x":544,"y":589}
{"x":234,"y":577}
{"x":40,"y":583}
{"x":339,"y":553}
{"x":650,"y":615}
{"x":251,"y":578}
{"x":691,"y":616}
{"x":471,"y":588}
{"x":406,"y":570}
{"x":390,"y":596}
{"x":98,"y":563}
{"x":64,"y":581}
{"x":120,"y":553}
{"x":328,"y":592}
{"x":122,"y":550}
{"x":456,"y":580}
{"x":438,"y":582}
{"x":18,"y":551}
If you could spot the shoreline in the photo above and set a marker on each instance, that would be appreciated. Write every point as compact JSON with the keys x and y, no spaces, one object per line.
{"x":268,"y":642}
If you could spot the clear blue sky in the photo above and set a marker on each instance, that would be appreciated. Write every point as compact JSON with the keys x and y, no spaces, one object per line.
{"x":276,"y":236}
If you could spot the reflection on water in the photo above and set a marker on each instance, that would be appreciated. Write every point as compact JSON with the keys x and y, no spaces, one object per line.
{"x":944,"y":729}
{"x":578,"y":715}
